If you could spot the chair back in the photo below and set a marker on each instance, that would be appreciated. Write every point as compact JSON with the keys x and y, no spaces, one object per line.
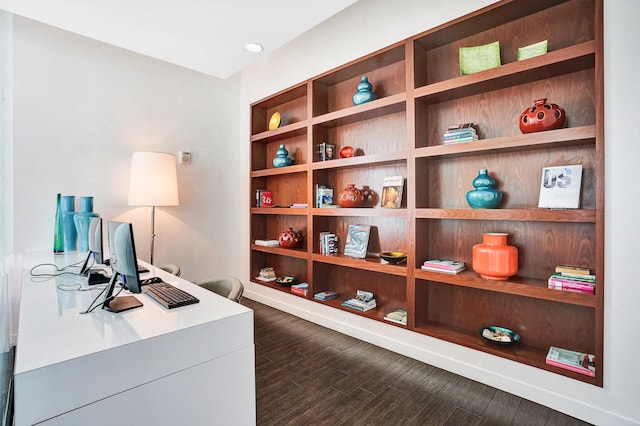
{"x":229,"y":287}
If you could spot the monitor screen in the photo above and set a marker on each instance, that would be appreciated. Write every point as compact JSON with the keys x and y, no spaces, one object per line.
{"x":124,"y":264}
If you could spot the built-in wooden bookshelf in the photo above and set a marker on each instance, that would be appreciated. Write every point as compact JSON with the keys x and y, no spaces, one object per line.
{"x":421,"y":92}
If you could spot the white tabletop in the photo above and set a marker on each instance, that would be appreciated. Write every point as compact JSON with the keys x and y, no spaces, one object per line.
{"x":52,"y":328}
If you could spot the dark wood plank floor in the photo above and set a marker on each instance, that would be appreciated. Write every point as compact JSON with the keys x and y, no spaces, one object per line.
{"x":309,"y":375}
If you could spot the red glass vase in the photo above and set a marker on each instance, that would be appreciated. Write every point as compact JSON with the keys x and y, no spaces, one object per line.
{"x":289,"y":238}
{"x":494,"y":259}
{"x":351,"y":197}
{"x":542,"y":116}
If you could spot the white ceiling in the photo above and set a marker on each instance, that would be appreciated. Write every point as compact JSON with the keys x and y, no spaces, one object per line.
{"x":203,"y":35}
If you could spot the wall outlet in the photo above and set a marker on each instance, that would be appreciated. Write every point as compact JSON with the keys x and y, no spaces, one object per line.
{"x":184,"y":157}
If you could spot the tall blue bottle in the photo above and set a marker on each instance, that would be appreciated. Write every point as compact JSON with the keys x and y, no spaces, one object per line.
{"x":82,"y":220}
{"x":58,"y":237}
{"x":68,"y":227}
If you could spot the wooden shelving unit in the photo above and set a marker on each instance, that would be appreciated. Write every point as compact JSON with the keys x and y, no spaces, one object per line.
{"x":420,"y":93}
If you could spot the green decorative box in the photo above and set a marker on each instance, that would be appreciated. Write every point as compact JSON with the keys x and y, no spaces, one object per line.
{"x":536,"y":49}
{"x":479,"y":58}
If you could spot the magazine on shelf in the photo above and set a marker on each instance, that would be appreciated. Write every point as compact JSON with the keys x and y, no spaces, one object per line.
{"x":579,"y":362}
{"x":560,"y":187}
{"x":357,"y":241}
{"x":392,"y":188}
{"x":399,"y":316}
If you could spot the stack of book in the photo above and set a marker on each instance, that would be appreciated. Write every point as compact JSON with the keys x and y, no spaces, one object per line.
{"x":579,"y":362}
{"x":300,"y":289}
{"x":573,"y":278}
{"x":299,"y":206}
{"x":328,"y":243}
{"x":464,"y":132}
{"x":324,"y":197}
{"x":444,"y":266}
{"x":399,"y":316}
{"x":363,"y":301}
{"x":326,"y":295}
{"x":267,"y":243}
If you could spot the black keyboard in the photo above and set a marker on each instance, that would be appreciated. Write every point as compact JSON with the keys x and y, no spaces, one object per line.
{"x":169,"y":296}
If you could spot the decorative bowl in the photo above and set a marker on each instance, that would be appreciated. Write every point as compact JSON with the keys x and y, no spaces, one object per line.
{"x":287,"y":280}
{"x":274,"y":121}
{"x":393,"y":257}
{"x":499,"y":335}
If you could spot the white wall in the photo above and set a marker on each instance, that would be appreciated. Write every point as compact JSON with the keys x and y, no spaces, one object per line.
{"x":81,"y":107}
{"x":373,"y":24}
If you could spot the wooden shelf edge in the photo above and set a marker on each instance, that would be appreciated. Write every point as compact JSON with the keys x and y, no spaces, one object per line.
{"x":297,"y":253}
{"x":275,"y":171}
{"x":369,"y":264}
{"x":562,"y":137}
{"x":362,"y":160}
{"x":511,"y":70}
{"x":523,"y":354}
{"x":360,"y":211}
{"x":290,"y":130}
{"x":383,"y":106}
{"x":279,"y":211}
{"x":529,"y":215}
{"x":535,"y":289}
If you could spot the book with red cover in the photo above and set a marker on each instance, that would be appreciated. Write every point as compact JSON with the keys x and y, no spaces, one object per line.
{"x":571,"y":285}
{"x":571,"y":360}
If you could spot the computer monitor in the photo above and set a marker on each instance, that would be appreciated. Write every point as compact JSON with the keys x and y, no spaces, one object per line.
{"x":95,"y":246}
{"x":124,"y":264}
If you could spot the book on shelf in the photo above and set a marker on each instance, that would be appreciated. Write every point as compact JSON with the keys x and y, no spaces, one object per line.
{"x":464,"y":132}
{"x":357,"y":241}
{"x":444,"y":266}
{"x":300,"y":289}
{"x":363,"y":301}
{"x":392,"y":188}
{"x":573,"y":270}
{"x":571,"y":285}
{"x":328,"y":243}
{"x":324,"y":196}
{"x":582,"y":278}
{"x":299,"y":206}
{"x":399,"y":316}
{"x":267,"y":243}
{"x":560,"y":187}
{"x":579,"y":362}
{"x":350,"y":305}
{"x":326,"y":295}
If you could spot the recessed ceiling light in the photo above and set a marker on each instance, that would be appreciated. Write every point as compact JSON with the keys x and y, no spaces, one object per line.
{"x":253,"y":47}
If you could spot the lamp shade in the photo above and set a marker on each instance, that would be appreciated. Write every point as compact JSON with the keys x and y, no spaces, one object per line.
{"x":153,"y":179}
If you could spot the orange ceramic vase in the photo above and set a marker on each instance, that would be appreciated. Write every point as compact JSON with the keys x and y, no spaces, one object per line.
{"x":494,"y":259}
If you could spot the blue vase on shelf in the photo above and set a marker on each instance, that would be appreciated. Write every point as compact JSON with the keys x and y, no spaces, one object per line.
{"x":484,"y":196}
{"x":70,"y":236}
{"x":58,"y":233}
{"x":282,"y":158}
{"x":365,"y":92}
{"x":82,"y":219}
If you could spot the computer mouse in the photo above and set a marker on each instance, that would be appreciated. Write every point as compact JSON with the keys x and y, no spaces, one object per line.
{"x":152,"y":280}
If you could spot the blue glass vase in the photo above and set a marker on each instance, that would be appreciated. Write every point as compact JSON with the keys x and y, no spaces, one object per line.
{"x":82,"y":219}
{"x":282,"y":158}
{"x":484,"y":196}
{"x":364,"y":93}
{"x":68,"y":206}
{"x":58,"y":234}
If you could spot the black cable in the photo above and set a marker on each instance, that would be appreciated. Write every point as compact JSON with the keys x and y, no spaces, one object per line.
{"x":56,"y":273}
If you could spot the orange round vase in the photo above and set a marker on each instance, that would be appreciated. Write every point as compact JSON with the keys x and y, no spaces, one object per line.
{"x":494,"y":259}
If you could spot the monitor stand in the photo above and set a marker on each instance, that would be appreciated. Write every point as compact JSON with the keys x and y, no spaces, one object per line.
{"x":123,"y":303}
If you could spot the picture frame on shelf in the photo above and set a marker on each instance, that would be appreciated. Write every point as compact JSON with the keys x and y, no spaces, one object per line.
{"x":560,"y":187}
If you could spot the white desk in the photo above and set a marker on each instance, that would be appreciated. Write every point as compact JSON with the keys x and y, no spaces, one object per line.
{"x":190,"y":365}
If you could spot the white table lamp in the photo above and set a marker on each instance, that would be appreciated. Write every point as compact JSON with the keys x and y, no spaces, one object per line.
{"x":153,"y":183}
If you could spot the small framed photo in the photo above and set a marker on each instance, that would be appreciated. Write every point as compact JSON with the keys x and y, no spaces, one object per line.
{"x":326,"y":151}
